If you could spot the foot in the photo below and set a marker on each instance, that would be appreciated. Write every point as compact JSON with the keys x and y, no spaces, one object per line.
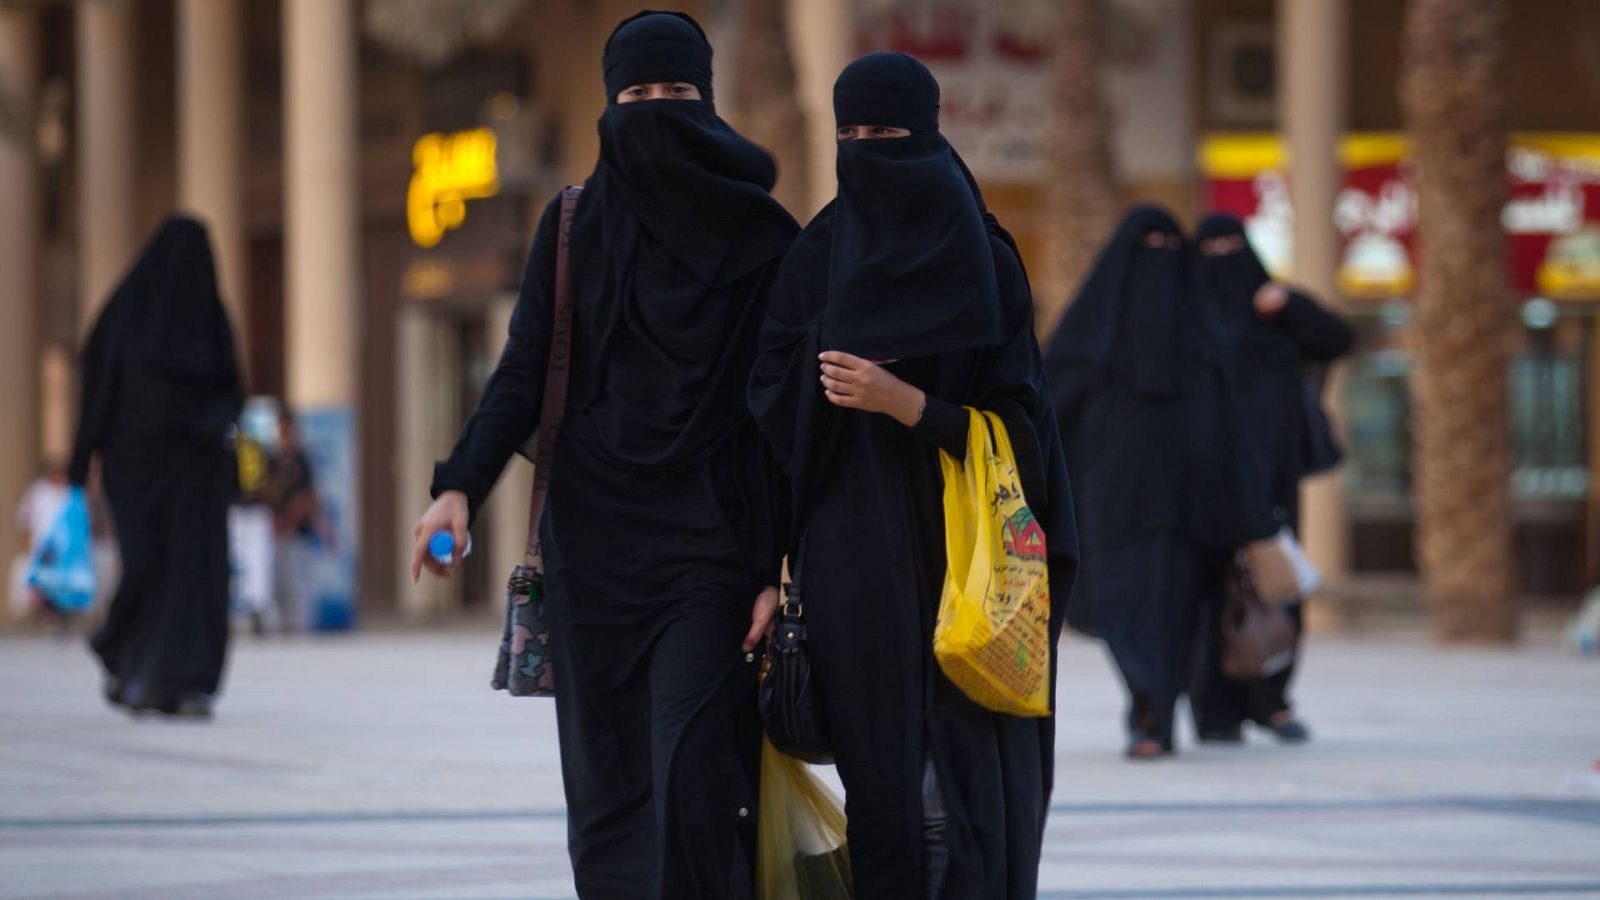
{"x":1146,"y":747}
{"x":191,"y":706}
{"x":1226,"y":735}
{"x":1287,"y":728}
{"x":113,"y":692}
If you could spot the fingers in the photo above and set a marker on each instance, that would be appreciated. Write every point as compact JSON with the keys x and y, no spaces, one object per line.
{"x":847,"y":401}
{"x":417,"y":555}
{"x":758,"y":627}
{"x":761,"y":618}
{"x":844,"y":360}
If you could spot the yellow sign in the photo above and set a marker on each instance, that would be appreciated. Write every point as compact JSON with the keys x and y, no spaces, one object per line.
{"x":449,"y":170}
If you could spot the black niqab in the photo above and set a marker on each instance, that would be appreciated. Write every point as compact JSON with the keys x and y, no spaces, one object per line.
{"x":1227,"y":283}
{"x":910,"y":273}
{"x":678,"y":204}
{"x":1128,"y":313}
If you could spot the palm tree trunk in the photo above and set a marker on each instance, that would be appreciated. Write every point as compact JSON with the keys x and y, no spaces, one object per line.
{"x":1464,"y":319}
{"x":1081,"y":198}
{"x":766,"y":105}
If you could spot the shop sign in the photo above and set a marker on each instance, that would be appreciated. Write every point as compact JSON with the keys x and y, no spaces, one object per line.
{"x":1551,"y":217}
{"x":448,"y":170}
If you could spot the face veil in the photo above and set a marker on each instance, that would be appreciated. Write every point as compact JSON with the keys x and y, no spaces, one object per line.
{"x":910,"y":271}
{"x":674,"y":220}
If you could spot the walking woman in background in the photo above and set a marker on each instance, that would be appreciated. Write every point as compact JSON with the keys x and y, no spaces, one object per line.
{"x":902,"y":302}
{"x":1271,"y":336}
{"x":1121,"y":366}
{"x":161,"y":388}
{"x":663,"y":536}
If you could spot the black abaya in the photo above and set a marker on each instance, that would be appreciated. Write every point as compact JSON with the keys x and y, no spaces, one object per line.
{"x":870,"y":549}
{"x":666,"y":514}
{"x":1122,"y":367}
{"x":161,"y":387}
{"x":1267,"y":359}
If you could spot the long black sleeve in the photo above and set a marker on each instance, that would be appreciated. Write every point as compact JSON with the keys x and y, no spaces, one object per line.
{"x":508,"y":412}
{"x":1320,"y":334}
{"x":99,"y":374}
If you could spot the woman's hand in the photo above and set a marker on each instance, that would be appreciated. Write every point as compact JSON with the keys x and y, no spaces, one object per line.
{"x":761,"y":616}
{"x":1270,"y":299}
{"x":448,"y":513}
{"x":856,"y":383}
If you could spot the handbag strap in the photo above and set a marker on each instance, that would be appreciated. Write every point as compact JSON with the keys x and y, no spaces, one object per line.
{"x":557,"y":373}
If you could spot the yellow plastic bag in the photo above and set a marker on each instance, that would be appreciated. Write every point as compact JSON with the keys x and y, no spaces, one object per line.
{"x":992,"y":638}
{"x":800,"y":833}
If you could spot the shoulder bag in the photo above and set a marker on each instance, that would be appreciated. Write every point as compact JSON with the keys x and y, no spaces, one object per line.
{"x":524,"y":667}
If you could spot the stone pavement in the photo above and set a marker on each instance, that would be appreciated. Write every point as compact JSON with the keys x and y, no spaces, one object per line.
{"x":380,"y":766}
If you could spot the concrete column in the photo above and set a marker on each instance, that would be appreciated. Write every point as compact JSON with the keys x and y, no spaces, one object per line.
{"x":19,"y":276}
{"x":106,"y":151}
{"x":210,"y":134}
{"x":1312,"y":57}
{"x":427,"y":371}
{"x":824,"y":39}
{"x":507,"y":509}
{"x":322,"y":256}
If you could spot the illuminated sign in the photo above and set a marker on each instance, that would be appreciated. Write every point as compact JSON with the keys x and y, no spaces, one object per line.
{"x":449,"y":170}
{"x":1551,"y":217}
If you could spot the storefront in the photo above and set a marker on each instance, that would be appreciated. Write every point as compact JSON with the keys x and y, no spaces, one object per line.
{"x":1552,"y":223}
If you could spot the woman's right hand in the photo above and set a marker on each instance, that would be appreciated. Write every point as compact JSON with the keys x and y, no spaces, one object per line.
{"x":448,"y":513}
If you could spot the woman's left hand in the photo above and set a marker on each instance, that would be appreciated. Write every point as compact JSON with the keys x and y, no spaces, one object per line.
{"x":761,"y":616}
{"x":856,"y":383}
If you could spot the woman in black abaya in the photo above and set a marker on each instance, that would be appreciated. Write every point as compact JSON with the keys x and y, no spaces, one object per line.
{"x":161,"y":388}
{"x":663,"y":536}
{"x":1120,"y":364}
{"x":902,"y":302}
{"x":1269,"y":335}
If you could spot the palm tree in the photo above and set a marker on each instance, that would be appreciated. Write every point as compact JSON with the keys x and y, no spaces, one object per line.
{"x":766,"y":103}
{"x":1081,"y":199}
{"x":1455,"y":111}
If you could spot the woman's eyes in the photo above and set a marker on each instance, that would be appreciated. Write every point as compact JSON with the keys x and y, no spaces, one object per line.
{"x":680,"y":89}
{"x":881,"y":131}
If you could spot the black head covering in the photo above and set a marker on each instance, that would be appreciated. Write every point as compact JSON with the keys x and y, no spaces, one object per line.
{"x":891,"y":89}
{"x":167,"y":311}
{"x":653,"y":46}
{"x":1129,"y":309}
{"x":910,"y":272}
{"x":160,"y":358}
{"x":1226,"y":285}
{"x":677,"y":210}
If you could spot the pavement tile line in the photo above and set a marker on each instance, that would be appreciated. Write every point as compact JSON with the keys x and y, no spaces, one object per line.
{"x":1572,"y":811}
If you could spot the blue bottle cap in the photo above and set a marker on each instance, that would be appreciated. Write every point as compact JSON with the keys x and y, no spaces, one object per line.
{"x":442,"y":546}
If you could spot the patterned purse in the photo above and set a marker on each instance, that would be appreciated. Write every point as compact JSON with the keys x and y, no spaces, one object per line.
{"x":524,"y":667}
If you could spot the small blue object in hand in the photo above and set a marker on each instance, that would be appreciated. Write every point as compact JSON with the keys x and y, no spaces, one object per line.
{"x":442,"y":547}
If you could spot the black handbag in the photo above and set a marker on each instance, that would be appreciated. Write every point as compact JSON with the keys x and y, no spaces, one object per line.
{"x":790,"y":699}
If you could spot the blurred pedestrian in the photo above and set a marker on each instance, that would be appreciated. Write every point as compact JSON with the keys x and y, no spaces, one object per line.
{"x":662,"y":545}
{"x":1120,"y":363}
{"x":301,"y":529}
{"x":161,"y":389}
{"x":916,"y":302}
{"x":1277,"y":340}
{"x":42,"y":503}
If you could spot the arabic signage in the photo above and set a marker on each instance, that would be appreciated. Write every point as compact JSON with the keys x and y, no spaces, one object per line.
{"x":448,"y":170}
{"x":993,"y":84}
{"x":1551,"y":217}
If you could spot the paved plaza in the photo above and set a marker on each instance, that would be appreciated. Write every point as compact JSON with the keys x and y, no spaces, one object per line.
{"x":381,"y":766}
